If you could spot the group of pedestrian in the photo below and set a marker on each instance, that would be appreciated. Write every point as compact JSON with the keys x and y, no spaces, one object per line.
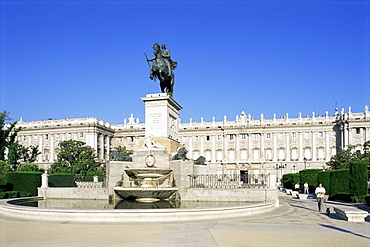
{"x":305,"y":187}
{"x":319,"y":191}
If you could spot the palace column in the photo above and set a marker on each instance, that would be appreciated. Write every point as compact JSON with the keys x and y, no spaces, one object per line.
{"x":250,"y":156}
{"x":190,"y":145}
{"x":213,"y":148}
{"x":237,"y":147}
{"x":262,"y":146}
{"x":327,"y":145}
{"x":201,"y":137}
{"x":51,"y":158}
{"x":40,"y":157}
{"x":300,"y":146}
{"x":287,"y":146}
{"x":274,"y":147}
{"x":313,"y":139}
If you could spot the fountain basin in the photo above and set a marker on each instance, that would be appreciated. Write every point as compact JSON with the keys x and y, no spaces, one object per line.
{"x":141,"y":173}
{"x":145,"y":194}
{"x":133,"y":215}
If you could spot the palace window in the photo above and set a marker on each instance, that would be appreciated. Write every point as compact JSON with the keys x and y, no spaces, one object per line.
{"x":281,"y":135}
{"x":208,"y":138}
{"x":243,"y":136}
{"x":268,"y":135}
{"x":294,"y":135}
{"x":358,"y":131}
{"x":307,"y":134}
{"x":321,"y":134}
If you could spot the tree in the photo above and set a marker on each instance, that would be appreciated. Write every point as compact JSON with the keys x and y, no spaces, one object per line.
{"x":366,"y":155}
{"x":343,"y":159}
{"x":77,"y":158}
{"x":122,"y":150}
{"x":29,"y":154}
{"x":8,"y":133}
{"x":14,"y":154}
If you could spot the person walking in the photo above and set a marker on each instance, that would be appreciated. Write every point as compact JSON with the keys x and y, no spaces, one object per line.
{"x":296,"y":187}
{"x":320,"y":193}
{"x":306,"y":187}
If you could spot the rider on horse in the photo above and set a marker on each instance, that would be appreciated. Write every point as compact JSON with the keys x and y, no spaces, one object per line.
{"x":171,"y":65}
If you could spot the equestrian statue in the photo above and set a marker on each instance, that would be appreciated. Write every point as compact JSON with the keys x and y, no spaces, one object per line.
{"x":162,"y":68}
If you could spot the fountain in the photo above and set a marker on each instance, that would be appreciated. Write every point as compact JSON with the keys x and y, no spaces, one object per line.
{"x":147,"y":184}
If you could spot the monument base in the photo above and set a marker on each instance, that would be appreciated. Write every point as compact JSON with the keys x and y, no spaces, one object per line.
{"x":171,"y":145}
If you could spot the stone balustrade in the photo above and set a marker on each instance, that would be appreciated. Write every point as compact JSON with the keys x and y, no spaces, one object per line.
{"x":89,"y":184}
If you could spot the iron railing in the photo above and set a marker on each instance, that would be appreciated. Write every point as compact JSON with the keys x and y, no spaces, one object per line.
{"x":229,"y":181}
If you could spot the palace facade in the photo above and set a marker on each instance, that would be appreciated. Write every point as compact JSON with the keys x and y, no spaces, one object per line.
{"x":281,"y":145}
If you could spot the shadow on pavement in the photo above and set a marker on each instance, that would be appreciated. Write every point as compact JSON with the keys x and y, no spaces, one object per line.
{"x":344,"y":230}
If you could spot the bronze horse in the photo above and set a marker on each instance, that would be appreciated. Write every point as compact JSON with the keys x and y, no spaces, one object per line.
{"x":161,"y":71}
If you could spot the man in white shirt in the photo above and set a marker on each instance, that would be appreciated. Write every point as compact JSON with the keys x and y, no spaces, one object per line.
{"x":320,"y":193}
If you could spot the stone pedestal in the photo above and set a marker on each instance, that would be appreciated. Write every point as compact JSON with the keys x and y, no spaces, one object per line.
{"x":162,"y":120}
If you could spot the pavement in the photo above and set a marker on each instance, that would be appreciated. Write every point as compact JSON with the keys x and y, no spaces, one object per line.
{"x":295,"y":223}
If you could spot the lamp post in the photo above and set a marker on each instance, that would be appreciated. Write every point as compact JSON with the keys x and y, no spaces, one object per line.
{"x":279,"y":167}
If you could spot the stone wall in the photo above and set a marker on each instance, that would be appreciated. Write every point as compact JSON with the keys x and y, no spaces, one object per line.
{"x":247,"y":195}
{"x":74,"y":193}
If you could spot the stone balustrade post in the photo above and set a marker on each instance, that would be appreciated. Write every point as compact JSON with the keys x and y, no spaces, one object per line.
{"x":44,"y":180}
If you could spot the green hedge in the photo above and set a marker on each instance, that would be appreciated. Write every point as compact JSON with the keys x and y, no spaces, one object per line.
{"x":290,"y":179}
{"x":61,"y":180}
{"x":358,"y":179}
{"x":324,"y":178}
{"x":310,"y":176}
{"x":367,"y":199}
{"x":339,"y":184}
{"x":13,"y":194}
{"x":25,"y":182}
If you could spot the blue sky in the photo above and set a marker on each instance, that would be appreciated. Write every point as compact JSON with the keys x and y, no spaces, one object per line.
{"x":67,"y":59}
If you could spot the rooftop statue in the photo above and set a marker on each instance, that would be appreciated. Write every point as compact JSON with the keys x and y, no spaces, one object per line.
{"x":162,"y":68}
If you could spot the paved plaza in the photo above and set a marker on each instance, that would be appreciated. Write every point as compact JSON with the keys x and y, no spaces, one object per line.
{"x":295,"y":223}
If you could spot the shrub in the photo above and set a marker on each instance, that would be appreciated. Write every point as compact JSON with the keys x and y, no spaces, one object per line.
{"x":310,"y":176}
{"x":61,"y":180}
{"x":4,"y":167}
{"x":367,"y":199}
{"x":358,"y":179}
{"x":339,"y":184}
{"x":25,"y":182}
{"x":12,"y":194}
{"x":324,"y":178}
{"x":28,"y":167}
{"x":290,"y":179}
